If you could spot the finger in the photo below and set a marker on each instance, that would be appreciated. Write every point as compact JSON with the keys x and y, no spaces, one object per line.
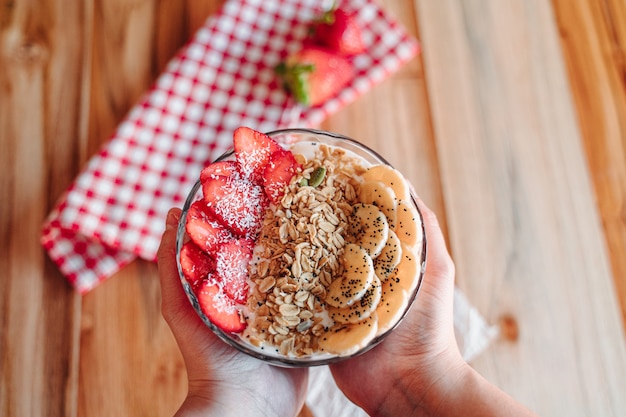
{"x":440,"y":271}
{"x":186,"y":325}
{"x":166,"y":254}
{"x":173,"y":298}
{"x":438,"y":256}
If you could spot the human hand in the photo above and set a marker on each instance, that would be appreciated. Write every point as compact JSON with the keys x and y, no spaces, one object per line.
{"x":222,"y":380}
{"x":420,"y":352}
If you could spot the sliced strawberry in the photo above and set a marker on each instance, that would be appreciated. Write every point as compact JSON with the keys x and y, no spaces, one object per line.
{"x":278,"y":173}
{"x":219,"y":308}
{"x":195,"y":263}
{"x":236,"y":203}
{"x":204,"y":229}
{"x":314,"y":74}
{"x":221,"y":168}
{"x":231,"y":268}
{"x":252,"y":151}
{"x":339,"y":31}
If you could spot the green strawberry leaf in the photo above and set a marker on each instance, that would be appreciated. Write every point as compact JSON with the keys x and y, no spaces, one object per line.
{"x":295,"y":80}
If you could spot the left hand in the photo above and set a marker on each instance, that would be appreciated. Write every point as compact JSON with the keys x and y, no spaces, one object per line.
{"x":222,"y":380}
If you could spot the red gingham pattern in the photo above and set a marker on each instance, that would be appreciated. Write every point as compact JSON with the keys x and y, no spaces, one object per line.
{"x":223,"y":78}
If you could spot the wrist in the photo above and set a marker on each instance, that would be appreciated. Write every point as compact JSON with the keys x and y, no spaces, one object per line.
{"x":420,"y":392}
{"x":466,"y":392}
{"x":195,"y":406}
{"x":444,"y":392}
{"x":236,"y":398}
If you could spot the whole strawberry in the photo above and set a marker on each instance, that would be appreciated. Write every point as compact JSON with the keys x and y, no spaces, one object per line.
{"x":338,"y":30}
{"x":315,"y":74}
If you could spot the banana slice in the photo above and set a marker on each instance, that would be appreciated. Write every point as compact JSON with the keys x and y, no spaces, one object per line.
{"x":407,"y":272}
{"x":361,"y":309}
{"x":346,"y":339}
{"x":393,"y":302}
{"x":382,"y":196}
{"x":368,"y":228}
{"x":389,"y":257}
{"x":357,"y":277}
{"x":408,"y":225}
{"x":390,"y":177}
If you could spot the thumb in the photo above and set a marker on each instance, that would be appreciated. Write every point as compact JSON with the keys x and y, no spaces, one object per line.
{"x":173,"y":298}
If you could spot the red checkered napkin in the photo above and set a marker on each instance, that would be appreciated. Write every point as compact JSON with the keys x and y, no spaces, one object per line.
{"x":223,"y":78}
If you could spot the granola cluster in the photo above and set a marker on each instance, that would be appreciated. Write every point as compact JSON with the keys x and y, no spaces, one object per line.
{"x":298,"y":254}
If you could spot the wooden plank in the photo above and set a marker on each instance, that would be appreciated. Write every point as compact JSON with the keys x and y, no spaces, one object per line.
{"x":524,"y":231}
{"x":39,"y":124}
{"x":394,"y":119}
{"x":122,"y":64}
{"x":177,"y":23}
{"x":593,"y":38}
{"x":130,"y":363}
{"x":126,"y":346}
{"x":399,"y":130}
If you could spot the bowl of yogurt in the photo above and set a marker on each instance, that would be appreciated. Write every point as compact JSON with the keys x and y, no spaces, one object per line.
{"x":333,"y":265}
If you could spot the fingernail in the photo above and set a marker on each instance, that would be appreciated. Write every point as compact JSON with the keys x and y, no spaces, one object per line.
{"x":172,"y":218}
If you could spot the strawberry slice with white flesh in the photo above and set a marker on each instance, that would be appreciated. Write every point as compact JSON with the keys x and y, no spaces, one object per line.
{"x":222,"y":310}
{"x":223,"y":226}
{"x":220,"y":168}
{"x":204,"y":229}
{"x":195,"y":263}
{"x":281,"y":168}
{"x":236,"y":203}
{"x":252,"y":152}
{"x":231,"y":268}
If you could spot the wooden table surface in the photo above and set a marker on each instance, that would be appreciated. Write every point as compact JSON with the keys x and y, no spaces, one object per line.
{"x":511,"y":124}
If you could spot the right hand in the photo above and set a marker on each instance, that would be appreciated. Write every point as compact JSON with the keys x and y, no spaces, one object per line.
{"x":394,"y":377}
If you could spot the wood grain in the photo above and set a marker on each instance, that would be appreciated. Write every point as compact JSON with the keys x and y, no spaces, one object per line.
{"x":124,"y":341}
{"x":39,"y":312}
{"x":525,"y":233}
{"x":593,"y":38}
{"x":511,"y":126}
{"x":395,"y":119}
{"x":129,"y":359}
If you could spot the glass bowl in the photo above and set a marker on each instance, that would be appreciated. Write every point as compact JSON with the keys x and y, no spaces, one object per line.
{"x":288,"y":138}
